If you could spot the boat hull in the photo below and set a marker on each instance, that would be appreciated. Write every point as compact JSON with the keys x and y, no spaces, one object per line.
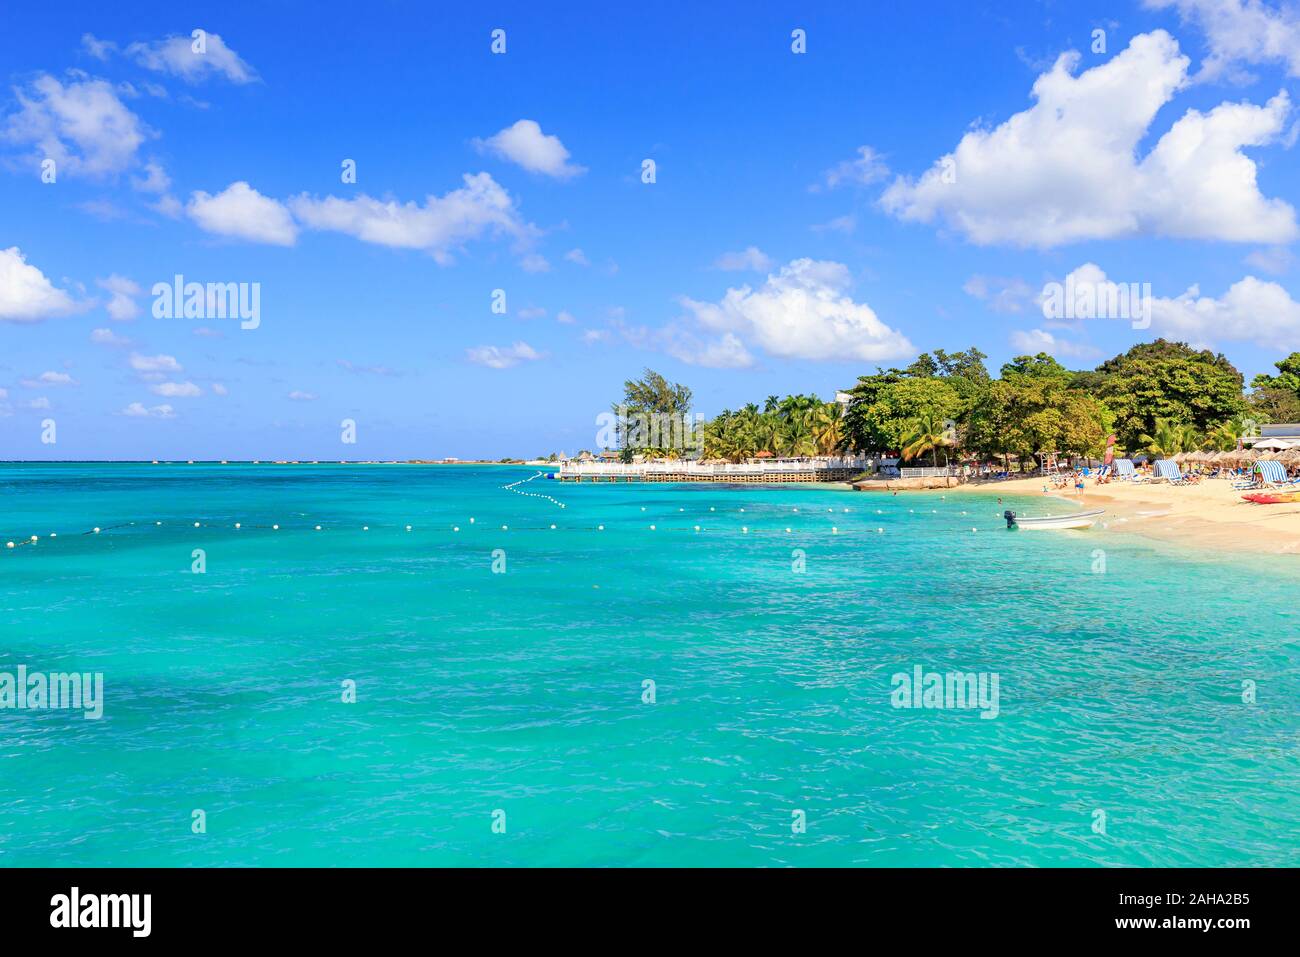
{"x":1057,"y":522}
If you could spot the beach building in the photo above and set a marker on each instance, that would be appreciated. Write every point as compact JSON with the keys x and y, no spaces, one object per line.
{"x":1281,"y":435}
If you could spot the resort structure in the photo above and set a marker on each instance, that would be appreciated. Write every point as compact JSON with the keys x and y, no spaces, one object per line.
{"x":758,"y":470}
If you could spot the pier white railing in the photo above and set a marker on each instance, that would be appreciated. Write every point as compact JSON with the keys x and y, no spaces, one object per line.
{"x":929,"y":472}
{"x":580,"y":469}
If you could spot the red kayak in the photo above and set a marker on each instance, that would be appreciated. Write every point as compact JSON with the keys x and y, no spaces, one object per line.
{"x":1273,"y":498}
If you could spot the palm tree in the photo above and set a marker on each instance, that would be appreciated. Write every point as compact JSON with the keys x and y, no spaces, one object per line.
{"x":1169,"y":439}
{"x":924,"y":434}
{"x":1225,"y":436}
{"x":828,"y":427}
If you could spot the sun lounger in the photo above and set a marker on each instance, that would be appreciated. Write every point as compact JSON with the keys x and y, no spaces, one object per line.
{"x":1271,"y":474}
{"x":1169,"y":471}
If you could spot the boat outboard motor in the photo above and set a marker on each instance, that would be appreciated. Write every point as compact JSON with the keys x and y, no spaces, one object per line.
{"x":1010,"y":516}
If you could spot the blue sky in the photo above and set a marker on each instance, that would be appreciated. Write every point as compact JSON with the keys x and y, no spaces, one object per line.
{"x":799,"y":231}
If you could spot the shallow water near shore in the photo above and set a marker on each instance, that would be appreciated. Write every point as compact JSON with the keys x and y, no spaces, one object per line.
{"x":1120,"y":677}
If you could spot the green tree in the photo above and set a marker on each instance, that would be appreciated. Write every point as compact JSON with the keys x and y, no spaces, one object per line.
{"x":1168,"y":380}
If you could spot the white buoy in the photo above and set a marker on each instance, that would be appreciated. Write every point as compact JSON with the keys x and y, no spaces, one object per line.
{"x":9,"y":544}
{"x":275,"y":528}
{"x":742,"y":509}
{"x":787,"y":531}
{"x":681,"y":510}
{"x":697,"y":528}
{"x":744,"y":529}
{"x":34,"y":538}
{"x":834,"y":530}
{"x":456,"y":528}
{"x":318,"y":528}
{"x":880,"y":531}
{"x":157,"y":523}
{"x":237,"y":525}
{"x":552,"y":528}
{"x":600,"y":528}
{"x":96,"y":531}
{"x":505,"y":528}
{"x":54,"y":534}
{"x":643,"y":508}
{"x":652,"y":528}
{"x":711,"y":508}
{"x":974,"y":529}
{"x":366,"y":528}
{"x":196,"y":524}
{"x":408,"y":528}
{"x":471,"y":519}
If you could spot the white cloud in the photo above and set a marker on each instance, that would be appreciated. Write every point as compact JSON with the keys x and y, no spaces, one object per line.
{"x":155,"y":179}
{"x":48,"y":379}
{"x":840,"y":224}
{"x":99,"y":49}
{"x":219,"y":388}
{"x":1252,"y":310}
{"x":122,"y":305}
{"x":177,"y":56}
{"x":868,"y":168}
{"x":83,"y":126}
{"x":158,"y":363}
{"x":39,"y":405}
{"x":565,"y":317}
{"x":724,"y":352}
{"x":440,"y":224}
{"x":535,"y":262}
{"x":138,"y":410}
{"x":243,"y":213}
{"x":802,"y":312}
{"x":1065,"y":170}
{"x":531,"y":312}
{"x":1275,"y":260}
{"x":176,"y":390}
{"x":749,"y":258}
{"x":526,"y":145}
{"x":107,"y":337}
{"x":578,"y":257}
{"x":1242,"y":31}
{"x":1006,"y":295}
{"x":298,"y":396}
{"x":25,"y":294}
{"x":169,"y":206}
{"x":1033,"y":341}
{"x":503,"y":357}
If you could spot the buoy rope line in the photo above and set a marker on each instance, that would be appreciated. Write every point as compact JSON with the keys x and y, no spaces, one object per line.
{"x":514,"y":487}
{"x":472,"y":525}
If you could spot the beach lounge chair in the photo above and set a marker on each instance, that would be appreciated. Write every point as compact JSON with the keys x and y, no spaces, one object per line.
{"x":1270,"y":474}
{"x":1168,"y":470}
{"x":1125,"y":471}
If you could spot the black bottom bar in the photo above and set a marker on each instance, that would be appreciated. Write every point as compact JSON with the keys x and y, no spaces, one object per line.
{"x":334,"y":907}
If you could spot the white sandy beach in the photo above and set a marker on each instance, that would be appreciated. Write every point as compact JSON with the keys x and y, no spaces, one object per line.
{"x":1211,"y":515}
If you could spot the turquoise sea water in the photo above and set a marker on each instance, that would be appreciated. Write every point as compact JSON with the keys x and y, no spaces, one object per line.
{"x":522,"y":692}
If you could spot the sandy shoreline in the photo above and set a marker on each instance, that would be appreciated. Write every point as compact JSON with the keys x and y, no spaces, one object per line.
{"x":1211,"y":515}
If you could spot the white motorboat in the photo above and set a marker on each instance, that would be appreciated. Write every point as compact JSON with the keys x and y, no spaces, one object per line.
{"x":1051,"y":522}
